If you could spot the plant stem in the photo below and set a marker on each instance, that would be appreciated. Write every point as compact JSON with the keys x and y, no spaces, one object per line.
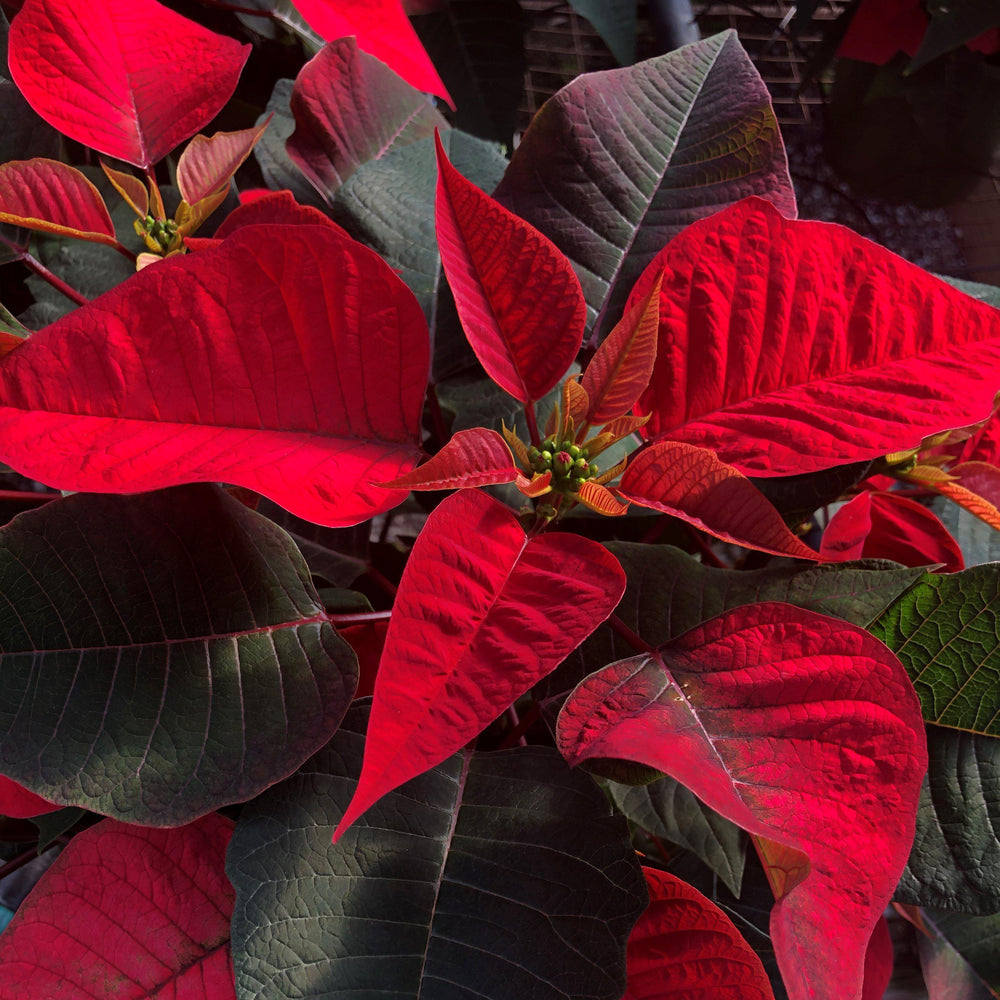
{"x":34,"y":264}
{"x":529,"y":416}
{"x":125,"y":252}
{"x":382,"y":581}
{"x":522,"y":725}
{"x":635,"y":641}
{"x":358,"y":617}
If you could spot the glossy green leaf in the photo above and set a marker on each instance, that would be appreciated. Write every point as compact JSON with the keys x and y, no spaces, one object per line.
{"x":955,"y":861}
{"x":615,"y":21}
{"x":946,"y":632}
{"x":132,"y":688}
{"x":498,"y":875}
{"x":668,"y":810}
{"x":618,"y":163}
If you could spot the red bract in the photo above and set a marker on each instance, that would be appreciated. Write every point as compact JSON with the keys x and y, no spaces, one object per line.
{"x":482,"y":614}
{"x":208,"y":163}
{"x":275,"y":208}
{"x":17,"y":801}
{"x":889,"y":526}
{"x":127,"y":912}
{"x":802,"y":729}
{"x":208,"y":369}
{"x":383,"y":30}
{"x":129,"y":78}
{"x":517,"y":295}
{"x":684,"y":946}
{"x":476,"y":457}
{"x":50,"y":196}
{"x":789,"y":347}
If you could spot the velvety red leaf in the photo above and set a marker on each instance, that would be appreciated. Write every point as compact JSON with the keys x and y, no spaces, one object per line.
{"x":350,"y":109}
{"x":17,"y":801}
{"x":620,"y":370}
{"x":879,"y":960}
{"x":517,"y":295}
{"x":367,"y":639}
{"x":787,"y":347}
{"x":208,"y":163}
{"x":984,"y":445}
{"x":800,"y":728}
{"x":127,"y":913}
{"x":482,"y":614}
{"x":692,"y":484}
{"x":129,"y":78}
{"x":50,"y":196}
{"x":878,"y":29}
{"x":383,"y":30}
{"x":275,"y":207}
{"x":208,"y":370}
{"x":475,"y":457}
{"x":890,"y":526}
{"x":685,"y":947}
{"x":980,"y":477}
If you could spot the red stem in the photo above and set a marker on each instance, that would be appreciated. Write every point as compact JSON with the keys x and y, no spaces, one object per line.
{"x":357,"y":617}
{"x":34,"y":264}
{"x":516,"y":735}
{"x":125,"y":252}
{"x":529,"y":416}
{"x":382,"y":581}
{"x":635,"y":641}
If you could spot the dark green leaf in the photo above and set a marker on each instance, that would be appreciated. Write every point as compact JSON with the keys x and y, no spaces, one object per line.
{"x":615,"y":21}
{"x":163,"y":654}
{"x":389,"y":205}
{"x":976,"y":940}
{"x":283,"y":12}
{"x":618,"y":163}
{"x":953,"y":23}
{"x":497,"y":875}
{"x":666,"y":809}
{"x":976,"y":289}
{"x":946,"y":633}
{"x":955,"y":861}
{"x":55,"y":824}
{"x":478,"y":48}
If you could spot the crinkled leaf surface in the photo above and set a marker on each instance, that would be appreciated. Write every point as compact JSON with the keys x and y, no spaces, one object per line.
{"x":774,"y":350}
{"x":945,"y":631}
{"x":388,"y":204}
{"x":476,"y":457}
{"x":619,"y":162}
{"x":350,"y":108}
{"x":691,"y":483}
{"x":208,"y":162}
{"x":828,"y":762}
{"x":685,"y":946}
{"x":129,"y":78}
{"x":668,"y":810}
{"x":204,"y":368}
{"x":517,"y":296}
{"x":134,"y":689}
{"x":482,"y":613}
{"x":479,"y":48}
{"x":500,"y":875}
{"x":51,"y":196}
{"x":275,"y":208}
{"x":127,"y":913}
{"x":383,"y":30}
{"x":955,"y":861}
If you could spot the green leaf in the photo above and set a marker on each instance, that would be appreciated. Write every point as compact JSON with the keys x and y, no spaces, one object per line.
{"x":615,"y":22}
{"x":975,"y":289}
{"x":953,"y":23}
{"x":670,"y":592}
{"x":666,"y":809}
{"x":55,"y":824}
{"x":977,"y":941}
{"x":283,"y":12}
{"x":955,"y":861}
{"x":163,"y":654}
{"x":9,"y":323}
{"x":618,"y":163}
{"x":280,"y":173}
{"x":499,"y":875}
{"x":946,"y":634}
{"x":388,"y":204}
{"x":478,"y":48}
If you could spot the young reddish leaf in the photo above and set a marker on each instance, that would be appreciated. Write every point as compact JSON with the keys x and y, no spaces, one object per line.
{"x":773,"y":349}
{"x":684,"y":946}
{"x":977,"y":490}
{"x":517,"y":296}
{"x":129,"y":187}
{"x":209,"y":370}
{"x":19,"y":802}
{"x":475,"y":457}
{"x":537,"y":486}
{"x":890,"y":526}
{"x":482,"y":613}
{"x":620,"y":370}
{"x":276,"y":207}
{"x":54,"y":198}
{"x":692,"y":484}
{"x":129,"y":78}
{"x":208,"y":163}
{"x":599,"y":498}
{"x":127,"y":912}
{"x":383,"y":30}
{"x":350,"y":109}
{"x":800,"y":728}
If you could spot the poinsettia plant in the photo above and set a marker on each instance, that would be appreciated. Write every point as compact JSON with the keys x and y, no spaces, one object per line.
{"x":353,"y":655}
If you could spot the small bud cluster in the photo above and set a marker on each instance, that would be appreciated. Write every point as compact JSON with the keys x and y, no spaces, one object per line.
{"x":158,"y":234}
{"x":567,"y":462}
